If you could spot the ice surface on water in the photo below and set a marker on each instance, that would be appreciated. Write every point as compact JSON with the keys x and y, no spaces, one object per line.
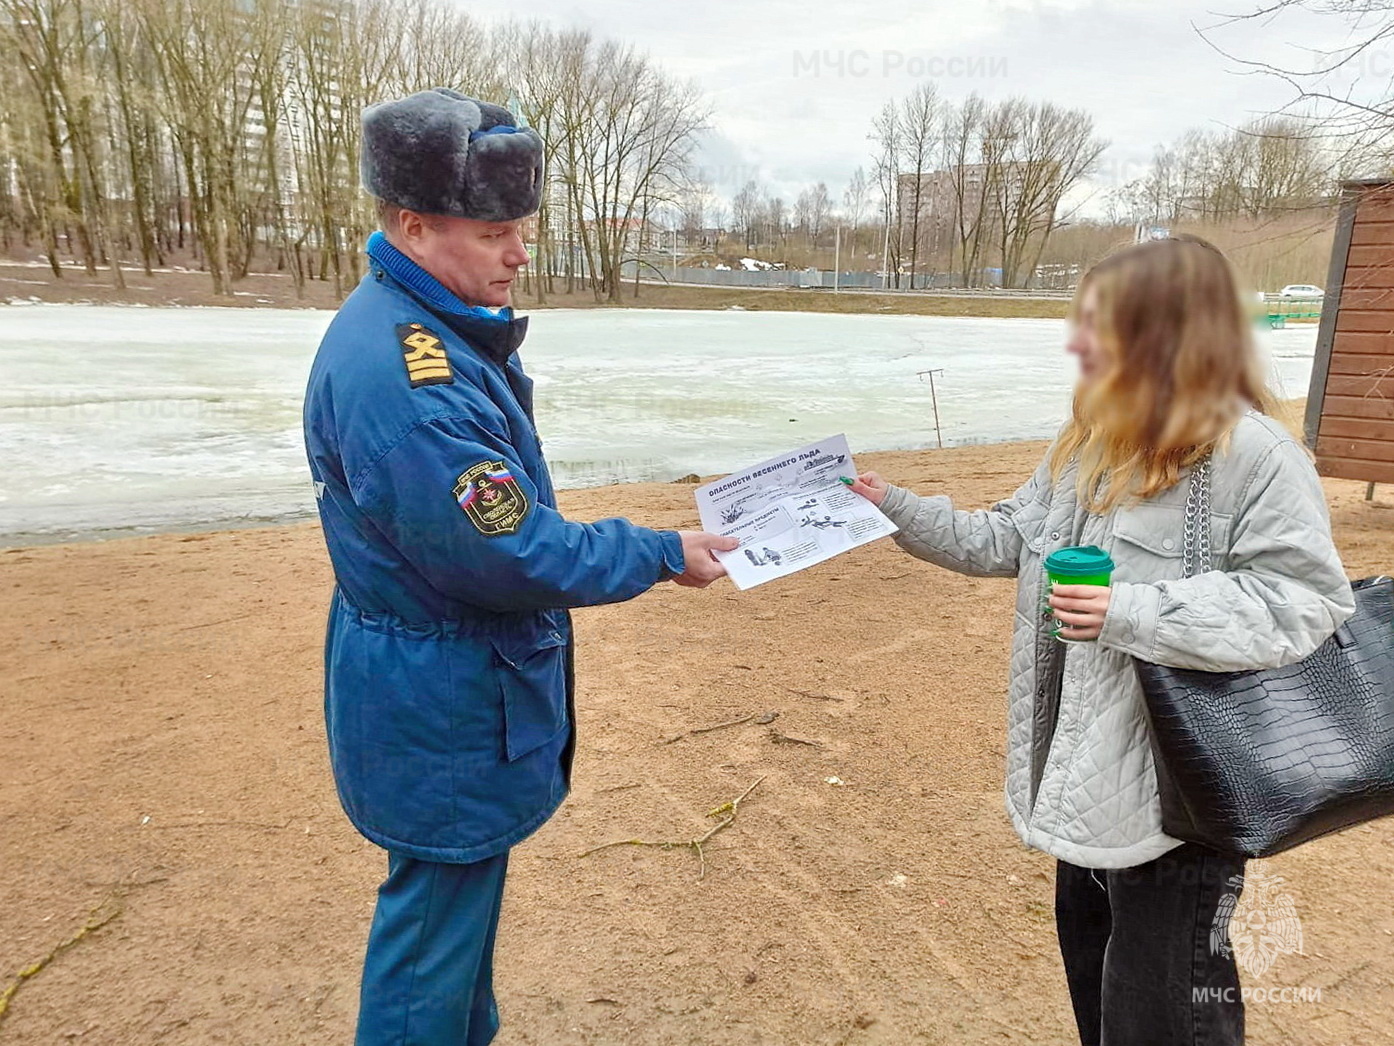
{"x":143,"y":418}
{"x":131,"y":419}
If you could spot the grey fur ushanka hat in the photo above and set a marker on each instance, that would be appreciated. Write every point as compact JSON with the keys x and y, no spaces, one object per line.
{"x":439,"y":152}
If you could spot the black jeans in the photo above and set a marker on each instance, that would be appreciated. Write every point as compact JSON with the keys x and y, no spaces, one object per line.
{"x":1139,"y":957}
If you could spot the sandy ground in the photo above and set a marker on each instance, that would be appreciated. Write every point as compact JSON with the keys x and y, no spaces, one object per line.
{"x":164,"y":778}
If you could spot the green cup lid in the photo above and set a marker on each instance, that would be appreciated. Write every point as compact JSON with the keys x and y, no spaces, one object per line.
{"x":1080,"y":561}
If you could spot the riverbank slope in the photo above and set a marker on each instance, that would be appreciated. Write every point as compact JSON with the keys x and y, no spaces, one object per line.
{"x":29,"y":282}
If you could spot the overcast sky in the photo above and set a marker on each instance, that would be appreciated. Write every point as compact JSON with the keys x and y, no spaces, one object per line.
{"x":794,"y":84}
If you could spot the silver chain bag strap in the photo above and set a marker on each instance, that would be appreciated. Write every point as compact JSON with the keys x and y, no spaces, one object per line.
{"x":1195,"y":547}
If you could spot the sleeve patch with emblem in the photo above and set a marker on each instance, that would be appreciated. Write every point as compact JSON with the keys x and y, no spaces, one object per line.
{"x":492,"y":499}
{"x":424,"y":352}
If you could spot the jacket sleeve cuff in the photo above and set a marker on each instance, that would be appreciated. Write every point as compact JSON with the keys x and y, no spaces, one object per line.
{"x":1131,"y":622}
{"x":899,"y":506}
{"x":674,"y":562}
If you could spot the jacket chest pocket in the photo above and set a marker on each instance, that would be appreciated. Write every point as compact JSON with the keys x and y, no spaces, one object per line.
{"x":532,"y":679}
{"x":1149,"y":544}
{"x":1030,"y":522}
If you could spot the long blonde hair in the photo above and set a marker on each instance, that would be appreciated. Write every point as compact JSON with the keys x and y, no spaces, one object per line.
{"x":1182,"y":369}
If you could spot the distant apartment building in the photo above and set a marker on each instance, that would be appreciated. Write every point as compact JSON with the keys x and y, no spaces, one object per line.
{"x":938,"y":194}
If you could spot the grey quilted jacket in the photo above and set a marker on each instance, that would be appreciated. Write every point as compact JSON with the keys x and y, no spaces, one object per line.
{"x":1080,"y":779}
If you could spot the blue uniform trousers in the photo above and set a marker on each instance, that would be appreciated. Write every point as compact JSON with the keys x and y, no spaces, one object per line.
{"x":428,"y":977}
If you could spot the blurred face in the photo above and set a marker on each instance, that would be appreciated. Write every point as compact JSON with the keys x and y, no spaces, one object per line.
{"x":1084,"y":343}
{"x":476,"y":261}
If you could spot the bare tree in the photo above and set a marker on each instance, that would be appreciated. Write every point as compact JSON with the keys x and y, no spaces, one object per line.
{"x":50,"y":39}
{"x":745,"y":213}
{"x":230,"y":128}
{"x":1345,"y":95}
{"x":209,"y":54}
{"x":886,"y":133}
{"x":818,"y":209}
{"x":855,"y":200}
{"x":536,"y":56}
{"x":1035,"y":153}
{"x":694,"y":204}
{"x":1269,"y":167}
{"x":963,"y":153}
{"x":920,"y":126}
{"x":776,"y":216}
{"x":630,"y":133}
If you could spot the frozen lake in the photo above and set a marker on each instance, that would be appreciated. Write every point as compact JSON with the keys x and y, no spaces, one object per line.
{"x":123,"y":420}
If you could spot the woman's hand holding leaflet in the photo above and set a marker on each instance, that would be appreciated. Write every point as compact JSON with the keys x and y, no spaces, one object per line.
{"x":871,"y":486}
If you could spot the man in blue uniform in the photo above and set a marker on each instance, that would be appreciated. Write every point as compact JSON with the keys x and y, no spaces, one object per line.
{"x":448,"y":690}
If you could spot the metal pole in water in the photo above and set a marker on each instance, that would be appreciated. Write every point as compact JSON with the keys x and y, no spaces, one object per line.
{"x":934,"y":400}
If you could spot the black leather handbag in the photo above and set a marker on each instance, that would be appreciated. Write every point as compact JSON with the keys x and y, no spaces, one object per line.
{"x":1257,"y":762}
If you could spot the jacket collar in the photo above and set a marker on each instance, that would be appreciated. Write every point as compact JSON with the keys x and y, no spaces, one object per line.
{"x":494,"y":333}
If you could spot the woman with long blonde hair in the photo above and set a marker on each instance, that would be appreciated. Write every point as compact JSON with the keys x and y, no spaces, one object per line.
{"x":1171,"y":386}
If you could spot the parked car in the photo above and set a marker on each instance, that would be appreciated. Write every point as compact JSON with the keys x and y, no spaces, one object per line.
{"x":1301,"y":290}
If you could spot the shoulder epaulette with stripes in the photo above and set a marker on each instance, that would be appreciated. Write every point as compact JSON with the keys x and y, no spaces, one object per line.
{"x":425,"y":356}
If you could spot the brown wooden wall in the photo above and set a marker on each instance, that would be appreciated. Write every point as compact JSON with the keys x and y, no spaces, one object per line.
{"x":1350,"y":406}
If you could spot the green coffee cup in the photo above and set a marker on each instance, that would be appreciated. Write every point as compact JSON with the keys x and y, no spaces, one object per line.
{"x":1079,"y":565}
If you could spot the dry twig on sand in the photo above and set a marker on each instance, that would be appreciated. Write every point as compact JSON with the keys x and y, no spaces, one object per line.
{"x":764,"y":718}
{"x":729,"y":809}
{"x":784,"y":739}
{"x":96,"y":919}
{"x":722,"y":726}
{"x":708,"y":729}
{"x":100,"y":914}
{"x":812,"y":695}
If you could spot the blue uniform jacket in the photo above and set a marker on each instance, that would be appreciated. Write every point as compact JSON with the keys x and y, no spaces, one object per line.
{"x":448,"y":690}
